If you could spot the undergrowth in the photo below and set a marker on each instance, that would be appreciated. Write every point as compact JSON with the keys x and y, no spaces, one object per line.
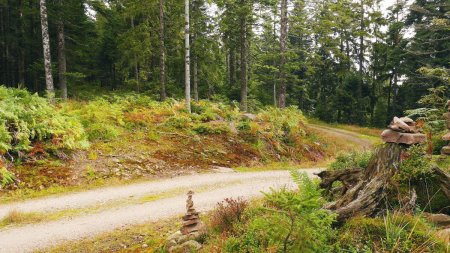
{"x":43,"y":143}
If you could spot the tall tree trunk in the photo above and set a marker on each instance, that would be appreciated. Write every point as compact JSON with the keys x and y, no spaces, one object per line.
{"x":21,"y":63}
{"x":187,"y":57}
{"x":389,"y":110}
{"x":195,"y":70}
{"x":162,"y":54}
{"x":361,"y":51}
{"x":232,"y":68}
{"x":283,"y":41}
{"x":2,"y":43}
{"x":243,"y":45}
{"x":136,"y":65}
{"x":62,"y":67}
{"x":46,"y":48}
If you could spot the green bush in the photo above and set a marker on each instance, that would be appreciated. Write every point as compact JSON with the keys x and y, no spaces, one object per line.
{"x":351,"y":160}
{"x":416,"y":166}
{"x":204,"y":128}
{"x":101,"y":118}
{"x":291,"y":221}
{"x":26,"y":118}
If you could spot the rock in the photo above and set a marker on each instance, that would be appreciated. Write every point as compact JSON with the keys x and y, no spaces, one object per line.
{"x":439,"y":219}
{"x":407,"y":120}
{"x":446,"y":137}
{"x":445,"y":150}
{"x":170,"y":244}
{"x":397,"y":124}
{"x":186,"y":247}
{"x":196,"y":236}
{"x":392,"y":136}
{"x":249,"y":116}
{"x":175,"y":236}
{"x":410,"y":139}
{"x":221,"y":169}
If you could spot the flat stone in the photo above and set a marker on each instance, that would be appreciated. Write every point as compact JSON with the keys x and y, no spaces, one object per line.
{"x":190,"y":222}
{"x":400,"y":124}
{"x":412,"y":138}
{"x":391,"y":136}
{"x":407,"y":120}
{"x":446,"y":137}
{"x":190,"y":217}
{"x":445,"y":150}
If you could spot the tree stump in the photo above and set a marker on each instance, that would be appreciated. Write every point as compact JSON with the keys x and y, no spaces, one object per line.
{"x":364,"y":190}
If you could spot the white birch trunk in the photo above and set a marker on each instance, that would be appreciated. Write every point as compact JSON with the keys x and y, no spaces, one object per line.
{"x":187,"y":57}
{"x":46,"y":48}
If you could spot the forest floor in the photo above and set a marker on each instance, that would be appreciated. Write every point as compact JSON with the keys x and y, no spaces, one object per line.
{"x":44,"y":222}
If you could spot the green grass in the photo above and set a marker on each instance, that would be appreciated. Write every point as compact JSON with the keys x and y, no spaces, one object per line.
{"x":147,"y":237}
{"x":284,"y":166}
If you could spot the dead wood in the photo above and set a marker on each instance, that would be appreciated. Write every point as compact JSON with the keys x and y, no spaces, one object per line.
{"x":364,"y":191}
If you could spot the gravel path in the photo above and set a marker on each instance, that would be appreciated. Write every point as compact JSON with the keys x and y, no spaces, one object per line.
{"x":109,"y":194}
{"x":348,"y":135}
{"x":41,"y":235}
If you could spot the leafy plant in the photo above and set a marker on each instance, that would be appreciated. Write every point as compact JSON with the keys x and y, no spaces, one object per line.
{"x":351,"y":160}
{"x":291,"y":221}
{"x":6,"y":177}
{"x":26,"y":118}
{"x":416,"y":166}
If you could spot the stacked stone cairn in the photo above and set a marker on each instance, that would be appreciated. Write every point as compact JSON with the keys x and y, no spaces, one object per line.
{"x":192,"y":231}
{"x":446,"y":149}
{"x":403,"y":131}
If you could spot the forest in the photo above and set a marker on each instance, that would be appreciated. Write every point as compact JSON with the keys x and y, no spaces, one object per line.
{"x":359,"y":62}
{"x":225,"y":126}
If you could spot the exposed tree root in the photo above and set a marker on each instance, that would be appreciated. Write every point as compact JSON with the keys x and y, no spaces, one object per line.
{"x":365,"y":192}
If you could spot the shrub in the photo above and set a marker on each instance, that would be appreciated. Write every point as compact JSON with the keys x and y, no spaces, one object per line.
{"x":416,"y":166}
{"x":227,"y":213}
{"x":101,"y":118}
{"x":291,"y":221}
{"x":26,"y":118}
{"x":351,"y":160}
{"x":204,"y":128}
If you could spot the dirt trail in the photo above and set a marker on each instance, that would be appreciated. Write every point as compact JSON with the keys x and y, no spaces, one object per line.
{"x":133,"y":191}
{"x":348,"y":135}
{"x":38,"y":236}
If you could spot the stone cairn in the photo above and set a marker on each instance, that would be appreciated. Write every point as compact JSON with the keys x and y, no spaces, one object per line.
{"x":187,"y":238}
{"x":446,"y":149}
{"x":403,"y":131}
